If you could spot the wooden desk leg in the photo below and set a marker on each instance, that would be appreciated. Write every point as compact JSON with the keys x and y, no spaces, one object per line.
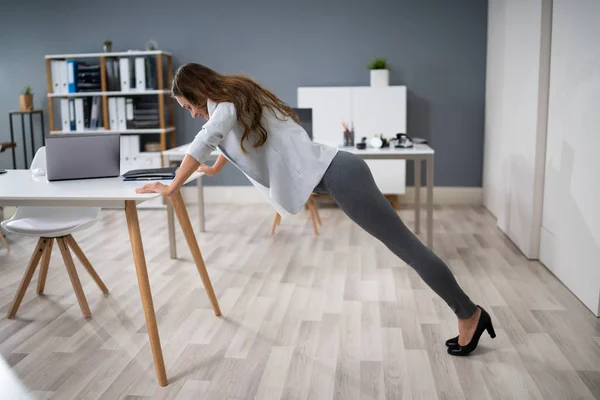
{"x":171,"y":229}
{"x":135,"y":237}
{"x":430,"y":202}
{"x":417,"y":196}
{"x":190,"y":237}
{"x":201,"y":220}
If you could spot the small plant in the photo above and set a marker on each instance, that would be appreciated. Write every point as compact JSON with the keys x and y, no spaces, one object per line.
{"x":27,"y":91}
{"x":108,"y":42}
{"x":378,"y":63}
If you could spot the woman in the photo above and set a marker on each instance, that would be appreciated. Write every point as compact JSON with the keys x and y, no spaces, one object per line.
{"x":260,"y":135}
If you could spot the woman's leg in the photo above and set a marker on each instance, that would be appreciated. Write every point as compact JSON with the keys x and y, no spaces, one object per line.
{"x":350,"y":183}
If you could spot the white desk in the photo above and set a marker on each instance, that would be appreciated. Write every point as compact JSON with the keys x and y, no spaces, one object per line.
{"x":20,"y":188}
{"x":418,"y":153}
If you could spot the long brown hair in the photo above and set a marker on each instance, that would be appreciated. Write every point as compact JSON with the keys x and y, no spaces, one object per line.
{"x":197,"y":83}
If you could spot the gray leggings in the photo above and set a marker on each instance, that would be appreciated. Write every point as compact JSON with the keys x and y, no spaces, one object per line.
{"x":349,"y":181}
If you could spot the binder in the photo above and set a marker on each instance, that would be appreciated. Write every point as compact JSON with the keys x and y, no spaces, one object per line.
{"x":115,"y":66}
{"x":129,"y":113}
{"x":124,"y":147}
{"x":95,"y":112}
{"x":124,"y":71}
{"x":71,"y":76}
{"x":140,"y":74}
{"x":110,"y":76}
{"x":134,"y":146}
{"x":87,"y":111}
{"x":79,"y":115}
{"x":55,"y":72}
{"x":64,"y":115}
{"x":62,"y":72}
{"x":72,"y":122}
{"x":122,"y":125}
{"x":113,"y":115}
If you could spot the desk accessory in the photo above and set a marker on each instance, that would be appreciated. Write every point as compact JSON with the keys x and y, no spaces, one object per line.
{"x":150,"y":174}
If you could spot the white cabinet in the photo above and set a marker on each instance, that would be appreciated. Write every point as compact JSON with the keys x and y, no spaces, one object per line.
{"x":372,"y":110}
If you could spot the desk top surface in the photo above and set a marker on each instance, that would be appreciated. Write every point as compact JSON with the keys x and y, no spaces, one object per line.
{"x":22,"y":185}
{"x":418,"y":149}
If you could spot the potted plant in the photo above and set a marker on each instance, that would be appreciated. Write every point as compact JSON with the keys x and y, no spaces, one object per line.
{"x":26,"y":99}
{"x":107,"y":46}
{"x":379,"y":72}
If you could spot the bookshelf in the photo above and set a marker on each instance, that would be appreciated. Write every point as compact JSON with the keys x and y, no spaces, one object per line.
{"x":163,"y":64}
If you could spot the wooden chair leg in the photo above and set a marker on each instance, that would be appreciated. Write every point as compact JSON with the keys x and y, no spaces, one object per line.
{"x":33,"y":263}
{"x":85,"y":262}
{"x":4,"y":242}
{"x":66,"y":254}
{"x":276,"y":222}
{"x":312,"y":200}
{"x":313,"y":217}
{"x":44,"y":266}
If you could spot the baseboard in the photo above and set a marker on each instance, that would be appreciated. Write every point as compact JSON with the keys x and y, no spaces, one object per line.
{"x":249,"y":195}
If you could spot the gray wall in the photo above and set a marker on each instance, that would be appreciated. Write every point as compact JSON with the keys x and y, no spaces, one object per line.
{"x":437,"y":48}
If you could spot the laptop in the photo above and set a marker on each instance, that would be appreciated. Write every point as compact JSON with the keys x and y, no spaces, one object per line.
{"x":83,"y":156}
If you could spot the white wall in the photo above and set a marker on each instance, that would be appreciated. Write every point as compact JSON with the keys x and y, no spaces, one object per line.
{"x":570,"y":241}
{"x":516,"y":106}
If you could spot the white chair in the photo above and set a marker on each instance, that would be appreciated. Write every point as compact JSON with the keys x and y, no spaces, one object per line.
{"x":50,"y":223}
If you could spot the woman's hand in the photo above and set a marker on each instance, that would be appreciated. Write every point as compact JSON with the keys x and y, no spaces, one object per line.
{"x":207,"y":169}
{"x":155,"y":187}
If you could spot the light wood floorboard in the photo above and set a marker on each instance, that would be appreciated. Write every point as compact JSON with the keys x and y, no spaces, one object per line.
{"x":304,"y":318}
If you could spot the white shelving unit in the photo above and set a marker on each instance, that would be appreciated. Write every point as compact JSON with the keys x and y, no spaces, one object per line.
{"x":136,"y":159}
{"x":123,"y":132}
{"x":110,"y":93}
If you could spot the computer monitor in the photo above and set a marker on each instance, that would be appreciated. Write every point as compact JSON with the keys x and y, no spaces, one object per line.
{"x":305,"y":116}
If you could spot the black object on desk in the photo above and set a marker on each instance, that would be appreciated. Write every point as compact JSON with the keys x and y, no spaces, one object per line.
{"x":150,"y":174}
{"x":12,"y":135}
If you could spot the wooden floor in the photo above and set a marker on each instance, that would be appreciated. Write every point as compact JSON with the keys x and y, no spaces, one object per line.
{"x":333,"y":317}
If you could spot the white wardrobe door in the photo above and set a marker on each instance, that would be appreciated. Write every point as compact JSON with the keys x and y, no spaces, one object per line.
{"x":570,"y":237}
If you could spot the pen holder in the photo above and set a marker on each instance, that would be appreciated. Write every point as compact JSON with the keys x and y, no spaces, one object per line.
{"x":348,"y":138}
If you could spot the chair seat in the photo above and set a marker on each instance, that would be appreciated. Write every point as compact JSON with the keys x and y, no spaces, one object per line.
{"x":45,"y":226}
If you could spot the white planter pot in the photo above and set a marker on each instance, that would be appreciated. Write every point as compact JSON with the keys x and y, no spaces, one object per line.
{"x":380,"y":77}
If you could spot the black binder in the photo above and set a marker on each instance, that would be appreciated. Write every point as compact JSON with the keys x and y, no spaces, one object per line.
{"x":150,"y":174}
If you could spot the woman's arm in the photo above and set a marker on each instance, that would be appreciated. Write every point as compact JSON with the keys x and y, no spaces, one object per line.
{"x":215,"y":168}
{"x":207,"y":140}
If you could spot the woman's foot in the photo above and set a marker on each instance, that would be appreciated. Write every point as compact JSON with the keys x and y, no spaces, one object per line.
{"x":466,"y":329}
{"x":470,"y":331}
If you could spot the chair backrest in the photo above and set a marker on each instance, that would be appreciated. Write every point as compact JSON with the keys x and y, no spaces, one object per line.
{"x":39,"y":160}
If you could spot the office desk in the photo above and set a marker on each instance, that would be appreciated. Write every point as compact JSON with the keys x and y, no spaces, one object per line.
{"x":20,"y":188}
{"x":418,"y":154}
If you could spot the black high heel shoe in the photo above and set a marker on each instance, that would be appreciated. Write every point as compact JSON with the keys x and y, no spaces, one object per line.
{"x":484,"y":324}
{"x":452,"y":342}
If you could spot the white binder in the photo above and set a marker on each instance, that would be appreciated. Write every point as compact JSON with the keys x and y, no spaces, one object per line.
{"x":63,"y":77}
{"x":140,"y":74}
{"x":55,"y":72}
{"x":64,"y":115}
{"x":79,"y":116}
{"x":122,"y":115}
{"x":124,"y":73}
{"x":113,"y":115}
{"x":134,"y":146}
{"x":129,"y":113}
